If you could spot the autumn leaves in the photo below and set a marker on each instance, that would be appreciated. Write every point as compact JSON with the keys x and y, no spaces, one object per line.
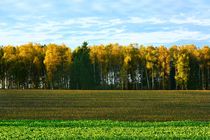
{"x":104,"y":67}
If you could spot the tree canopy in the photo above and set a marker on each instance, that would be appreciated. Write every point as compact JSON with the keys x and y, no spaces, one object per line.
{"x":111,"y":66}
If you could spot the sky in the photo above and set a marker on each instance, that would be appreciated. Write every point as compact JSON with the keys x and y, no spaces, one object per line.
{"x":147,"y":22}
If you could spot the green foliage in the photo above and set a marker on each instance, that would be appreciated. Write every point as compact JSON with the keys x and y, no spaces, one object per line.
{"x":82,"y":69}
{"x":103,"y":130}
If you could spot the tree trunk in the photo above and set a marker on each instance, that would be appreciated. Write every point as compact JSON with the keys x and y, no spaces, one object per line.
{"x":101,"y":76}
{"x":94,"y":72}
{"x":51,"y":84}
{"x":203,"y":83}
{"x":152,"y":79}
{"x":148,"y":84}
{"x":207,"y":81}
{"x":5,"y":81}
{"x":199,"y":77}
{"x":164,"y":81}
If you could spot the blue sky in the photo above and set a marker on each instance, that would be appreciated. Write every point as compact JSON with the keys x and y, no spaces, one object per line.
{"x":156,"y":22}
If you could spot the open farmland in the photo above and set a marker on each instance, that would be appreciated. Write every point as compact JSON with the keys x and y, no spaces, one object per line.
{"x":103,"y":105}
{"x":103,"y":130}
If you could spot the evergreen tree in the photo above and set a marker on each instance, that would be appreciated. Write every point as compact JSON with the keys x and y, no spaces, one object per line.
{"x":82,"y":69}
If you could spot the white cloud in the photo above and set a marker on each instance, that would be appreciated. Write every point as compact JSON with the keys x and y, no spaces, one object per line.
{"x":123,"y":21}
{"x":98,"y":30}
{"x":190,"y":20}
{"x":171,"y":20}
{"x":157,"y":37}
{"x":139,"y":20}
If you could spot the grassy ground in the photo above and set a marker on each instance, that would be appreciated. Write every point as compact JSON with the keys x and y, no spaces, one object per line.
{"x":103,"y":130}
{"x":103,"y":105}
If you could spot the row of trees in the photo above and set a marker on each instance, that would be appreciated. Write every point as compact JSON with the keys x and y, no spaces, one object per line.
{"x":104,"y":67}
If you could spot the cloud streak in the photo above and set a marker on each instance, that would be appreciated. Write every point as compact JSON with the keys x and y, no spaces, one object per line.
{"x":72,"y":22}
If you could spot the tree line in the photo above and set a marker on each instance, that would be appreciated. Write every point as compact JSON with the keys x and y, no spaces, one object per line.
{"x":111,"y":66}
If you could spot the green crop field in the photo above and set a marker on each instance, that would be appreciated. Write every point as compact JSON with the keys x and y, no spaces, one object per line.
{"x":103,"y":130}
{"x":64,"y":114}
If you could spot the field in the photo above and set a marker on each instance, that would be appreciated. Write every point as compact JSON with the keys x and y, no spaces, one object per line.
{"x":63,"y":114}
{"x":103,"y":130}
{"x":112,"y":105}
